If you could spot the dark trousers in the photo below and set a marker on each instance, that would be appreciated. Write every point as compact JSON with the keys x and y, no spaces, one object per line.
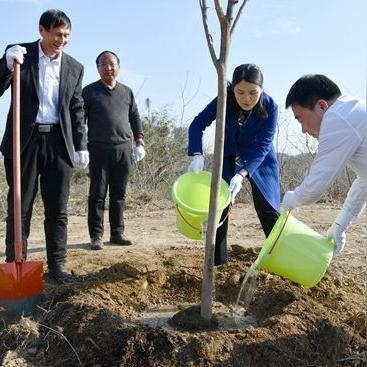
{"x":44,"y":162}
{"x":265,"y":212}
{"x":109,"y":168}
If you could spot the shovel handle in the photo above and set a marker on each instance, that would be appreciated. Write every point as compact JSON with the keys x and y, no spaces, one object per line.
{"x":18,"y":245}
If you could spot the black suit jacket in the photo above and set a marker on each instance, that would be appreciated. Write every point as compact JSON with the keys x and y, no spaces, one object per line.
{"x":71,"y":113}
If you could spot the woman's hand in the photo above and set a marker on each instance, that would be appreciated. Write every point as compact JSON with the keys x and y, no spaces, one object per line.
{"x":236,"y":184}
{"x":197,"y":164}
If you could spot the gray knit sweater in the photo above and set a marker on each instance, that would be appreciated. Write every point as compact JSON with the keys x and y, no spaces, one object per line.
{"x":112,"y":115}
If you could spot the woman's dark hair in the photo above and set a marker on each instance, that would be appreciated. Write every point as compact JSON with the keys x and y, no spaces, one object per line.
{"x":307,"y":90}
{"x":250,"y":73}
{"x":54,"y":18}
{"x":107,"y":52}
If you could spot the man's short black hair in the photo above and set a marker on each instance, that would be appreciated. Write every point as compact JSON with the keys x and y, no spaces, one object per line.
{"x":307,"y":90}
{"x":107,"y":52}
{"x":54,"y":18}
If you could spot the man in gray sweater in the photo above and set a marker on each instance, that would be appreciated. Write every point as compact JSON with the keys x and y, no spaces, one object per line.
{"x":113,"y":120}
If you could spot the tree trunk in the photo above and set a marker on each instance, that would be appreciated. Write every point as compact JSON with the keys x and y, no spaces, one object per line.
{"x":214,"y":217}
{"x":227,"y":26}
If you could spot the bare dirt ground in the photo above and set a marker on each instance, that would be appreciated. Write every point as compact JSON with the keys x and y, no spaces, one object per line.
{"x":116,"y":313}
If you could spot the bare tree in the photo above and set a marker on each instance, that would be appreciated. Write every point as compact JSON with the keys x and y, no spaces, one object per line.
{"x":185,"y":101}
{"x":227,"y":22}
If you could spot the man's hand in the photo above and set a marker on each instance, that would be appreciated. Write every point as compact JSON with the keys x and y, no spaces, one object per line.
{"x":197,"y":164}
{"x":14,"y":53}
{"x":336,"y":234}
{"x":139,"y":152}
{"x":288,"y":202}
{"x":81,"y":158}
{"x":235,"y":186}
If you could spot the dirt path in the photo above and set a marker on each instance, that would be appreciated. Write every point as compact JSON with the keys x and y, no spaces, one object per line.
{"x":157,"y":228}
{"x":116,"y":313}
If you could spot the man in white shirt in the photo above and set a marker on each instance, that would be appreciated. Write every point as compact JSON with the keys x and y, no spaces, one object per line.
{"x":52,"y":134}
{"x":340,"y":125}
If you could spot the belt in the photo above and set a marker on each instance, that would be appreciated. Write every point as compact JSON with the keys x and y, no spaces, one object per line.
{"x":47,"y":128}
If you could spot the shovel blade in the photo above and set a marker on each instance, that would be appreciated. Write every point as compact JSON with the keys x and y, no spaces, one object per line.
{"x":21,"y":280}
{"x":21,"y":306}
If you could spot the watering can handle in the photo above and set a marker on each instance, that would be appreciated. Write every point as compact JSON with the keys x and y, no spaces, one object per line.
{"x":199,"y":229}
{"x":184,"y":219}
{"x":279,"y":232}
{"x":227,"y":215}
{"x":18,"y":245}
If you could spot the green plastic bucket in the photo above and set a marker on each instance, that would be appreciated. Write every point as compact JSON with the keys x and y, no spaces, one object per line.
{"x":191,"y":193}
{"x":295,"y":251}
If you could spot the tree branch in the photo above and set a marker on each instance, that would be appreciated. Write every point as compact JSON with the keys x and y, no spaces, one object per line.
{"x":238,"y":14}
{"x":225,"y":32}
{"x":208,"y":36}
{"x":229,"y":10}
{"x":219,"y":10}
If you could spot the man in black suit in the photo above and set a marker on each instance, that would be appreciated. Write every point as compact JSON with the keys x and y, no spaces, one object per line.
{"x":52,"y":134}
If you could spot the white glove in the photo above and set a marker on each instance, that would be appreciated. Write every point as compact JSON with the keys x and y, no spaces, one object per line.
{"x":81,"y":158}
{"x":288,"y":202}
{"x":14,"y":53}
{"x":336,"y":234}
{"x":235,"y":186}
{"x":139,"y":152}
{"x":197,"y":164}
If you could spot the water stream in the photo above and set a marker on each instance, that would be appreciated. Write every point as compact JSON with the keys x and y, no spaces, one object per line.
{"x":246,"y":291}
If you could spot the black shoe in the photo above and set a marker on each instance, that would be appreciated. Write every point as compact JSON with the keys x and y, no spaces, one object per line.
{"x":120,"y":240}
{"x":60,"y":274}
{"x":96,"y":243}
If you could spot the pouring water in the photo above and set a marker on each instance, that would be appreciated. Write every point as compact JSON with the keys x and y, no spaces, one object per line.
{"x":247,"y":290}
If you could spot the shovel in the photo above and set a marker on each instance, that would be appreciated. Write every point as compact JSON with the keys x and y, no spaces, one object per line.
{"x":21,"y":282}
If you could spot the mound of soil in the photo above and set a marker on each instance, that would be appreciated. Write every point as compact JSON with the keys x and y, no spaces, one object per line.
{"x":96,"y":320}
{"x":140,"y":307}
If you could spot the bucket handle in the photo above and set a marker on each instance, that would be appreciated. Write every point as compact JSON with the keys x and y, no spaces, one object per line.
{"x":199,"y":229}
{"x":279,"y":233}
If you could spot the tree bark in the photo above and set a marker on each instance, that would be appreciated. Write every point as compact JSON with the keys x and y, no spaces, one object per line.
{"x":207,"y":288}
{"x":226,"y":28}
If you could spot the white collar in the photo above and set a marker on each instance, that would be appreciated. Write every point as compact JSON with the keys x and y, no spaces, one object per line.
{"x":42,"y":55}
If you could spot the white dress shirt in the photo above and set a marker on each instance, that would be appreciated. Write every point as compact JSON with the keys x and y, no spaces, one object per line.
{"x":342,"y":141}
{"x":49,"y":82}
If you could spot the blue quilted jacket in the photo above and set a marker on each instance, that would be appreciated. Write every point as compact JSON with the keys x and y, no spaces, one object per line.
{"x":249,"y":145}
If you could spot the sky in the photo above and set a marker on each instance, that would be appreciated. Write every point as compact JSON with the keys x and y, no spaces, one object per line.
{"x":164,"y":54}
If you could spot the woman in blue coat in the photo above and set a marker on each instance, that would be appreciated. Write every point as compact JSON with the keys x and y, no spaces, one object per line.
{"x":250,"y":125}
